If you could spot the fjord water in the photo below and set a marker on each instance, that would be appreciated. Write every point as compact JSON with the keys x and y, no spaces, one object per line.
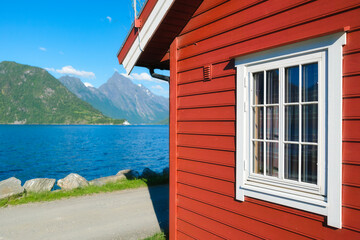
{"x":54,"y":151}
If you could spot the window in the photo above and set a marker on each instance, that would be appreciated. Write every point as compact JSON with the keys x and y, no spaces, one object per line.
{"x":286,"y":144}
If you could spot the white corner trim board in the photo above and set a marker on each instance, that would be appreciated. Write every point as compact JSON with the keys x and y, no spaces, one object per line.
{"x":146,"y":32}
{"x":325,"y":197}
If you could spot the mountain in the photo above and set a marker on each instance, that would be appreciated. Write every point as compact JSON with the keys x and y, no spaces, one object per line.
{"x":119,"y":97}
{"x":31,"y":95}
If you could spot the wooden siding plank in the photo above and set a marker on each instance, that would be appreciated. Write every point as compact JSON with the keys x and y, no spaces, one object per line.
{"x":213,"y":226}
{"x":286,"y":220}
{"x":351,"y":218}
{"x":207,"y":141}
{"x":208,"y":128}
{"x":351,"y":130}
{"x":221,"y":69}
{"x":353,"y":42}
{"x":351,"y":196}
{"x":241,"y":18}
{"x":270,"y":40}
{"x":207,"y":5}
{"x":216,"y":14}
{"x":210,"y":170}
{"x":351,"y":63}
{"x":193,"y":230}
{"x":211,"y":184}
{"x":351,"y":85}
{"x":351,"y":152}
{"x":183,"y":236}
{"x":351,"y":108}
{"x":295,"y":16}
{"x":237,"y":221}
{"x":207,"y":155}
{"x":351,"y":174}
{"x":214,"y":85}
{"x":208,"y":100}
{"x":207,"y":114}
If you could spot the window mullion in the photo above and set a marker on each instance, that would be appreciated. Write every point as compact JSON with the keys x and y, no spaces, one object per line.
{"x":300,"y":121}
{"x":265,"y":127}
{"x":281,"y":122}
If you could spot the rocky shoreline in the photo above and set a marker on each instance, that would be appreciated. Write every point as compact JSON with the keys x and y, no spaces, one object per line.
{"x":11,"y":187}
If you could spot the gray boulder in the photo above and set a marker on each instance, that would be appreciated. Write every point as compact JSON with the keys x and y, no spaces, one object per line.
{"x":129,"y":174}
{"x":72,"y":181}
{"x":10,"y":187}
{"x":165,"y":171}
{"x":105,"y":180}
{"x":39,"y":185}
{"x":148,"y":173}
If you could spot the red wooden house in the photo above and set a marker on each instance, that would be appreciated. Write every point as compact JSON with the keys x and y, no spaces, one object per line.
{"x":264,"y":115}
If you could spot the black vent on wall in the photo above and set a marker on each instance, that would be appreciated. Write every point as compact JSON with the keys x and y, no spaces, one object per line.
{"x":207,"y":72}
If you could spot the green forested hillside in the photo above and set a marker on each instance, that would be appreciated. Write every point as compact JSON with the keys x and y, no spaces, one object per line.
{"x":30,"y":95}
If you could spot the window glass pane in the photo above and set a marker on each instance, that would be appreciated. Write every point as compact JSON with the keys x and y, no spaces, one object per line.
{"x":272,"y":123}
{"x":291,"y":159}
{"x":292,"y":84}
{"x":309,"y":164}
{"x":258,"y":157}
{"x":258,"y":128}
{"x":272,"y":86}
{"x":310,"y":82}
{"x":272,"y":159}
{"x":309,"y":123}
{"x":258,"y":88}
{"x":292,"y":123}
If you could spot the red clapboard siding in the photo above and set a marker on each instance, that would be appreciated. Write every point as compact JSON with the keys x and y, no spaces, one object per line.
{"x":181,"y":235}
{"x":351,"y":196}
{"x":192,"y":230}
{"x":207,"y":100}
{"x":225,"y":158}
{"x":206,"y":5}
{"x":351,"y":63}
{"x":211,"y":184}
{"x":351,"y":174}
{"x":207,"y":141}
{"x":311,"y":29}
{"x":214,"y":85}
{"x":351,"y":108}
{"x":301,"y":224}
{"x":351,"y":130}
{"x":213,"y":226}
{"x":351,"y":152}
{"x":209,"y":170}
{"x":304,"y":12}
{"x":220,"y":69}
{"x":215,"y":14}
{"x":351,"y":85}
{"x":351,"y":218}
{"x":235,"y":220}
{"x":209,"y":114}
{"x":208,"y":128}
{"x":353,"y":39}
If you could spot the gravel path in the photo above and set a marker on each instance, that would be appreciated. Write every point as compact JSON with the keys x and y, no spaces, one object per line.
{"x":128,"y":214}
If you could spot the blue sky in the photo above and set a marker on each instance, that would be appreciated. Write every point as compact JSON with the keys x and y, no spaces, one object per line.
{"x":78,"y":37}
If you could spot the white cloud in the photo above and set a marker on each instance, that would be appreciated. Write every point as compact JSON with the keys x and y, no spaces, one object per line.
{"x":72,"y":71}
{"x":158,"y":87}
{"x":88,"y":84}
{"x":142,"y":76}
{"x":42,"y":49}
{"x":109,"y":18}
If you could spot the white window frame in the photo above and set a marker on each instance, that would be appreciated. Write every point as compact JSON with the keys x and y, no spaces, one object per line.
{"x":323,"y":198}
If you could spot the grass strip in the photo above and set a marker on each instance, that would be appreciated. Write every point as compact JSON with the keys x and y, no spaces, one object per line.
{"x":59,"y":194}
{"x":157,"y":236}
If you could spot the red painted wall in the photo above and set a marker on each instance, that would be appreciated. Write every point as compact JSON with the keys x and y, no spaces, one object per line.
{"x":202,"y":118}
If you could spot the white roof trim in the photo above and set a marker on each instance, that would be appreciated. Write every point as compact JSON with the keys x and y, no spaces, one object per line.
{"x":146,"y":32}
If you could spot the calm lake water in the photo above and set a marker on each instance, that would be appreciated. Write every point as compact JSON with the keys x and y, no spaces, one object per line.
{"x":29,"y":151}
